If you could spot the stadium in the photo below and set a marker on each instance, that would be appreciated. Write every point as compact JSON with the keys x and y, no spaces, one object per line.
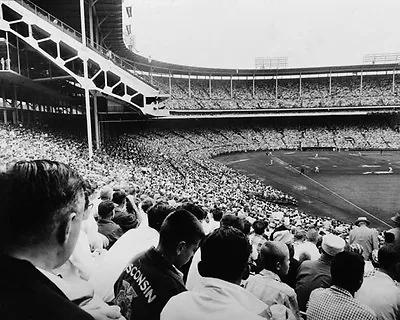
{"x":316,"y":147}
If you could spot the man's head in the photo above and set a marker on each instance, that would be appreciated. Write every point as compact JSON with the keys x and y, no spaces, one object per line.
{"x":224,"y":254}
{"x":312,"y":236}
{"x":157,"y":214}
{"x":147,"y":204}
{"x":106,"y":209}
{"x":217,"y":214}
{"x":389,"y":260}
{"x":362,"y":221}
{"x":347,"y":271}
{"x":259,"y":227}
{"x":194,"y":209}
{"x":41,"y":208}
{"x":274,"y":256}
{"x":106,"y":193}
{"x":180,"y":236}
{"x":231,"y":220}
{"x":119,"y":198}
{"x":332,"y":245}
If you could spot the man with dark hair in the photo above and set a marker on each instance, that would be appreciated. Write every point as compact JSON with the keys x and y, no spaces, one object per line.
{"x":380,"y":292}
{"x":337,"y":302}
{"x":267,"y":285}
{"x":38,"y":235}
{"x":152,"y":277}
{"x":125,"y":220}
{"x":200,"y":214}
{"x":126,"y":248}
{"x":229,"y":219}
{"x":194,"y":276}
{"x":224,"y":256}
{"x":194,"y":209}
{"x":107,"y":227}
{"x":105,"y":193}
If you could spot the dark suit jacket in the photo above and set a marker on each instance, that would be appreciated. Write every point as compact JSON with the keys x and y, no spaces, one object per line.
{"x":312,"y":275}
{"x":111,"y":230}
{"x":25,"y":293}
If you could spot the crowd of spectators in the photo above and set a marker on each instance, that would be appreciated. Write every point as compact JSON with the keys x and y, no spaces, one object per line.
{"x":319,"y":92}
{"x":175,"y":167}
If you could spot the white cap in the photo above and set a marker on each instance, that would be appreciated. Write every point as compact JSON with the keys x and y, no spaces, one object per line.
{"x":332,"y":244}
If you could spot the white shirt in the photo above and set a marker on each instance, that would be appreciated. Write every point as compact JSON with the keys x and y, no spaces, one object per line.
{"x":211,"y":226}
{"x":307,"y":247}
{"x":268,"y":287}
{"x":116,"y":259}
{"x":81,"y":263}
{"x":382,"y":295}
{"x":214,"y":299}
{"x":194,"y":276}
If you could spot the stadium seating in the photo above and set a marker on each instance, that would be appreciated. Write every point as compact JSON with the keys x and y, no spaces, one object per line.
{"x":377,"y":90}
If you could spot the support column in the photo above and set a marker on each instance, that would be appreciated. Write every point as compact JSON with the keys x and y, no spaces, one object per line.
{"x":330,"y":84}
{"x":14,"y":105}
{"x":276,"y":87}
{"x":22,"y":111}
{"x":361,"y":84}
{"x":190,"y":88}
{"x":231,"y":88}
{"x":85,"y":74}
{"x":300,"y":87}
{"x":18,"y":57}
{"x":170,"y":84}
{"x":254,"y":86}
{"x":8,"y":61}
{"x":393,"y":81}
{"x":91,"y":31}
{"x":96,"y":120}
{"x":3,"y":95}
{"x":28,"y":113}
{"x":209,"y":85}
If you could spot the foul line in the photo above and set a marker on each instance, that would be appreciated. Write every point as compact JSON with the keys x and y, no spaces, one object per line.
{"x":339,"y":196}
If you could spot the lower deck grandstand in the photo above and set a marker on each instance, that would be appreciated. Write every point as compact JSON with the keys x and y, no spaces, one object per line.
{"x":176,"y":162}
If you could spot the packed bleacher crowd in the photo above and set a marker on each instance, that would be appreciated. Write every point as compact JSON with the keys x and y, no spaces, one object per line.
{"x":127,"y":247}
{"x":343,"y":91}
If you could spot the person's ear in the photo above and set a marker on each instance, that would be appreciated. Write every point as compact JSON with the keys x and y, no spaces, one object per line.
{"x":278,"y":266}
{"x":64,"y":229}
{"x":180,"y":247}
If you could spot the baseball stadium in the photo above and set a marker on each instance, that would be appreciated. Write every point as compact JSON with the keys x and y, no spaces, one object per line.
{"x":310,"y":148}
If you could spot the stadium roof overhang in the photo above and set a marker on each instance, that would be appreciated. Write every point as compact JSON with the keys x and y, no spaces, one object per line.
{"x":162,"y":67}
{"x":109,"y":15}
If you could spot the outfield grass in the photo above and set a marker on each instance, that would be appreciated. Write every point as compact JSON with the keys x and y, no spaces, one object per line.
{"x":348,"y":184}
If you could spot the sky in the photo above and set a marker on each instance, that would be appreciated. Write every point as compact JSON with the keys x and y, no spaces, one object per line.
{"x":232,"y":33}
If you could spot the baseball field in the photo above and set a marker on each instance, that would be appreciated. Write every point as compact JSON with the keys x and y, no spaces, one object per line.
{"x":343,"y":185}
